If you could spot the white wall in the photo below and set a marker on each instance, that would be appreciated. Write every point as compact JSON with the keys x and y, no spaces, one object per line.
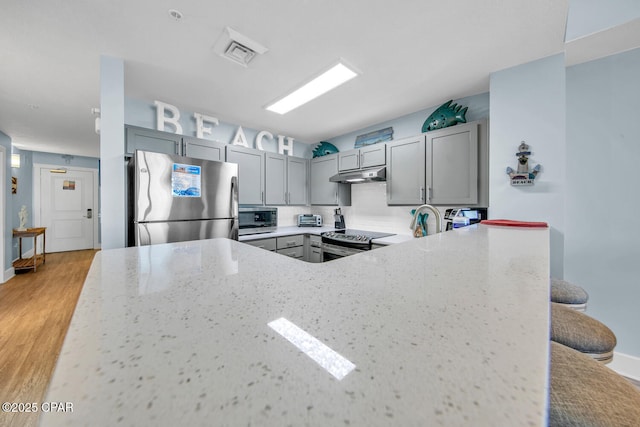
{"x":602,"y":237}
{"x":528,"y":104}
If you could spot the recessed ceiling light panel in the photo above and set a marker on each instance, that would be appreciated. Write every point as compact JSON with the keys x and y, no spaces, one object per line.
{"x":330,"y":79}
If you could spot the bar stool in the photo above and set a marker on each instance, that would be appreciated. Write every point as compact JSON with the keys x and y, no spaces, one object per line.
{"x":569,"y":294}
{"x":583,"y":392}
{"x":582,"y":332}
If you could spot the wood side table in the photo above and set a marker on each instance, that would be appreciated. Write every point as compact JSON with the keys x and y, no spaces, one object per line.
{"x":36,"y":259}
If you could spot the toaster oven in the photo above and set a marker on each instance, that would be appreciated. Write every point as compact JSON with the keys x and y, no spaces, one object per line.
{"x":309,"y":220}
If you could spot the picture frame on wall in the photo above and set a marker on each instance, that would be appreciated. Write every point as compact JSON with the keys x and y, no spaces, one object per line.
{"x":374,"y":137}
{"x":14,"y":185}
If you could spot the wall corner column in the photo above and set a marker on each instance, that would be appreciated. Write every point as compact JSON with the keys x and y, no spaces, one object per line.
{"x":112,"y":150}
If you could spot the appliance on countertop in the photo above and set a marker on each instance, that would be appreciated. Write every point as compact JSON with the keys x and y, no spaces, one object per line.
{"x":360,"y":176}
{"x":461,"y":217}
{"x":174,"y":199}
{"x":341,"y":243}
{"x":254,"y":220}
{"x":338,"y":219}
{"x":309,"y":220}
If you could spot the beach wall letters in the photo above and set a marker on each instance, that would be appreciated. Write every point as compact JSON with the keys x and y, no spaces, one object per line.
{"x":169,"y":115}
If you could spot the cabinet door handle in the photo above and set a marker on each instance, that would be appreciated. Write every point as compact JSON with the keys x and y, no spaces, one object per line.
{"x":428,"y":193}
{"x":421,"y":194}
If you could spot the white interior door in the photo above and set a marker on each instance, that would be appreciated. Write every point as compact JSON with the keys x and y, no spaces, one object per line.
{"x":67,"y":209}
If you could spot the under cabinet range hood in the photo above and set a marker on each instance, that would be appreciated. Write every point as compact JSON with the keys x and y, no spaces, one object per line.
{"x":359,"y":176}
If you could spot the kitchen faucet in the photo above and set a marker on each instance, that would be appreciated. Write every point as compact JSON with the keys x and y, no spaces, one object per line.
{"x":421,"y":209}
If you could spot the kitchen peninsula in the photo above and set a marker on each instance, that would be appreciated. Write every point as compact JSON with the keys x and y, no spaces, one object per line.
{"x":450,"y":329}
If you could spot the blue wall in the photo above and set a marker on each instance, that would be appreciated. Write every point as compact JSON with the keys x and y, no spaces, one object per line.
{"x":603,"y":139}
{"x":143,"y":114}
{"x":5,"y":141}
{"x":24,"y":195}
{"x":528,"y":104}
{"x":411,"y":124}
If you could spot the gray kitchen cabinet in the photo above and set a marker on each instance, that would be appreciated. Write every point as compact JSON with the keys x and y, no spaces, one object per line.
{"x":203,"y":149}
{"x":171,"y":143}
{"x":250,"y":173}
{"x":267,"y":244}
{"x":314,"y":248}
{"x":452,"y":165}
{"x":365,"y":157}
{"x":152,"y":140}
{"x":405,"y":171}
{"x":286,"y":181}
{"x":275,"y":179}
{"x":348,"y":160}
{"x":443,"y":167}
{"x":291,"y":246}
{"x":324,"y":192}
{"x":297,"y":181}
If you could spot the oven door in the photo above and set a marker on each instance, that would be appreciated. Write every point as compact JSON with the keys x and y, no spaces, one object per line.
{"x":331,"y":252}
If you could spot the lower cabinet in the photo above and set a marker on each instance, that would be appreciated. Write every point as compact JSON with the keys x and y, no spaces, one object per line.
{"x":291,"y":246}
{"x":314,"y":249}
{"x":267,"y":244}
{"x":300,"y":246}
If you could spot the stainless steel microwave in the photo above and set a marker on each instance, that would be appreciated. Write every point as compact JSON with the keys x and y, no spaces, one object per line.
{"x":257,"y":220}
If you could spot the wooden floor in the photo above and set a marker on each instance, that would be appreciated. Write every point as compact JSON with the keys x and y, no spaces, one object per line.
{"x":35,"y":311}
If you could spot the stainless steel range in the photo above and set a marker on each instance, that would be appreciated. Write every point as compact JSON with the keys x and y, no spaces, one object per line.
{"x":341,"y":243}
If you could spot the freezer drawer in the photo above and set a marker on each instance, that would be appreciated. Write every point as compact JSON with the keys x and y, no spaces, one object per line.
{"x":152,"y":233}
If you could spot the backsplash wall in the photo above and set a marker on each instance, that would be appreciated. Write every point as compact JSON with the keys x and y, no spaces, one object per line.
{"x":368,"y":211}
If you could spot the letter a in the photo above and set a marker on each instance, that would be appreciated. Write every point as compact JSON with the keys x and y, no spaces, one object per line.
{"x":240,"y":139}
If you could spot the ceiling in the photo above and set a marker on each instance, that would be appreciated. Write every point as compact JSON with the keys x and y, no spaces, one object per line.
{"x":414,"y":55}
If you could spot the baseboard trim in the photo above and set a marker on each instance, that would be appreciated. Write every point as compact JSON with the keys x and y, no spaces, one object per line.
{"x":8,"y":274}
{"x":626,"y":365}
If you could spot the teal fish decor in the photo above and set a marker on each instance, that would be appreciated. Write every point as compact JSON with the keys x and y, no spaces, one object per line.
{"x":323,"y":149}
{"x":444,"y":116}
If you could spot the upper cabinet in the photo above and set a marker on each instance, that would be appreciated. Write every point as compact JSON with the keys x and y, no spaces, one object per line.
{"x":203,"y":149}
{"x":365,"y":157}
{"x":444,"y":167}
{"x":286,"y":180}
{"x":152,"y":140}
{"x":405,"y":171}
{"x":324,"y":192}
{"x":250,"y":173}
{"x":452,"y":165}
{"x":171,"y":143}
{"x":297,"y":181}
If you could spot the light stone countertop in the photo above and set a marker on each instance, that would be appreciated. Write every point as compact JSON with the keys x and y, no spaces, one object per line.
{"x":450,"y":329}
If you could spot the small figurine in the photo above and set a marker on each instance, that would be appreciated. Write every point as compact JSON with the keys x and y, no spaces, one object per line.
{"x":324,"y":148}
{"x":523,"y":176}
{"x":23,"y":218}
{"x":444,"y":116}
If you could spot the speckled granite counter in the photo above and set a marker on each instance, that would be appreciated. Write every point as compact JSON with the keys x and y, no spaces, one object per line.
{"x":447,"y":330}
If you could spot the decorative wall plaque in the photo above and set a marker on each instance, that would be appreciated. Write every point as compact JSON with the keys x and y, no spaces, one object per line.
{"x":523,"y":176}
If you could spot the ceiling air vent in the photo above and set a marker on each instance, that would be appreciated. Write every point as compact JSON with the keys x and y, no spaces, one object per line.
{"x":237,"y":47}
{"x":239,"y":53}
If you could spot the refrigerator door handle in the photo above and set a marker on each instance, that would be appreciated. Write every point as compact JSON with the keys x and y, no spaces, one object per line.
{"x":234,"y":198}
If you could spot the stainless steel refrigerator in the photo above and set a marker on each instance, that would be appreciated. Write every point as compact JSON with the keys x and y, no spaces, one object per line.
{"x":175,"y":199}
